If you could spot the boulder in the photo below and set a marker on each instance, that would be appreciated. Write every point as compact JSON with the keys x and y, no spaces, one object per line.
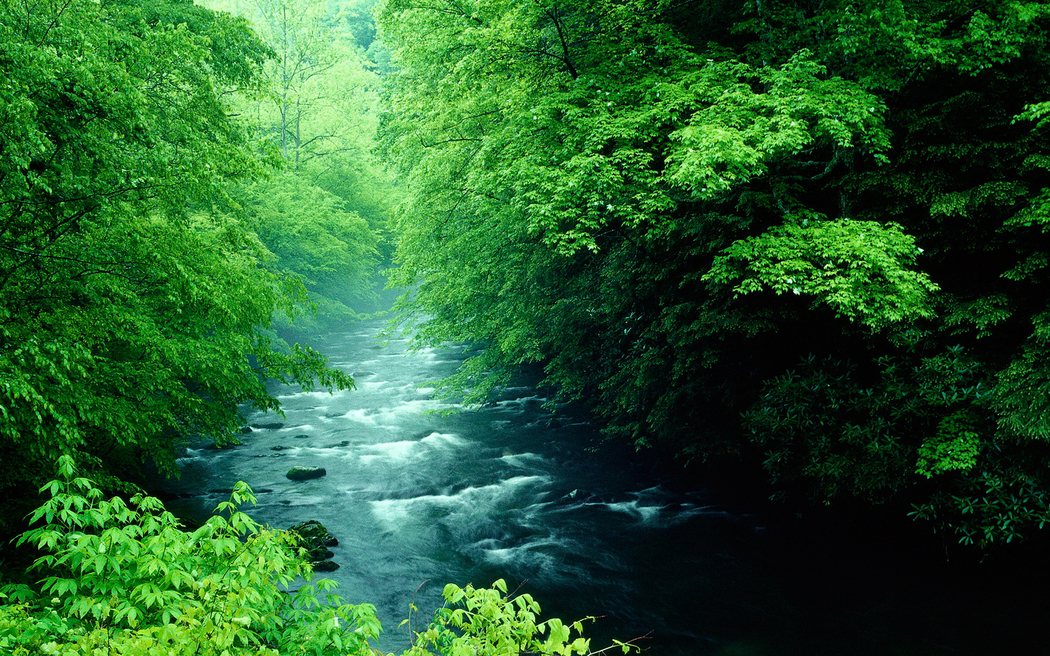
{"x":314,"y":532}
{"x":306,"y":473}
{"x":273,"y":426}
{"x":320,"y":553}
{"x":316,"y":539}
{"x":325,"y":566}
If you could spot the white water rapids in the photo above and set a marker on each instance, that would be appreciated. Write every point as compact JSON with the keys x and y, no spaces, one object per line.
{"x":418,"y":499}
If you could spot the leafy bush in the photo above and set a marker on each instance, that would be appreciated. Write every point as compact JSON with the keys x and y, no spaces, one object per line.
{"x":125,"y":578}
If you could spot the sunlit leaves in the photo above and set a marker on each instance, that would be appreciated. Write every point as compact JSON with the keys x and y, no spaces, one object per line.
{"x":861,"y":269}
{"x":491,"y":621}
{"x":737,"y":132}
{"x":955,"y":446}
{"x":133,"y":299}
{"x":129,"y":575}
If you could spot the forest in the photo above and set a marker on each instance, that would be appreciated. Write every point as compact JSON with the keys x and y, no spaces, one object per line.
{"x":803,"y":240}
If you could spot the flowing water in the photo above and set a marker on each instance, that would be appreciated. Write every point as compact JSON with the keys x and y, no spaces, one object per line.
{"x":419,"y":498}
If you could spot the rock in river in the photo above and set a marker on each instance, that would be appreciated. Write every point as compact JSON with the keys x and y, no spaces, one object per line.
{"x":305,"y":473}
{"x":325,"y":566}
{"x":316,"y":539}
{"x":313,"y":532}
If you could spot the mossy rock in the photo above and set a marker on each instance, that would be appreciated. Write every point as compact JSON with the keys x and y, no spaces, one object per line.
{"x":325,"y":566}
{"x":306,"y":473}
{"x":314,"y":532}
{"x":316,"y":539}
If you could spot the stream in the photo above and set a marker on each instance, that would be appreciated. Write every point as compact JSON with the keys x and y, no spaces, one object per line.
{"x":418,"y":497}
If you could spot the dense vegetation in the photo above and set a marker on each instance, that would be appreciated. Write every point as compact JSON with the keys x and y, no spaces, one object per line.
{"x":812,"y":234}
{"x":151,"y":240}
{"x":132,"y":292}
{"x":809,"y":233}
{"x":324,"y":216}
{"x":124,"y":578}
{"x":157,"y":227}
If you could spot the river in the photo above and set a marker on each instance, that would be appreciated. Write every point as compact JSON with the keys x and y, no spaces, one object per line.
{"x":419,"y":497}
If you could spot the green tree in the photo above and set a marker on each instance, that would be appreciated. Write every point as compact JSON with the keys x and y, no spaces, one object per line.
{"x":133,"y":309}
{"x":312,"y":235}
{"x":687,"y":212}
{"x":314,"y":75}
{"x":321,"y":115}
{"x":322,"y":110}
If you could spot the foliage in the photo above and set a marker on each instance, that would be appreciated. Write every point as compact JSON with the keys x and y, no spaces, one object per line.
{"x":671,"y":205}
{"x":312,"y":235}
{"x":321,"y":101}
{"x":487,"y":621}
{"x":320,"y":115}
{"x":821,"y":422}
{"x":126,"y":578}
{"x":134,"y":309}
{"x":854,"y":267}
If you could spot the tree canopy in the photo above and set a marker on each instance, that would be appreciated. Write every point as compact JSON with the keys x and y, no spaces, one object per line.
{"x":324,"y":216}
{"x":809,"y":234}
{"x":825,"y":218}
{"x":134,"y":310}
